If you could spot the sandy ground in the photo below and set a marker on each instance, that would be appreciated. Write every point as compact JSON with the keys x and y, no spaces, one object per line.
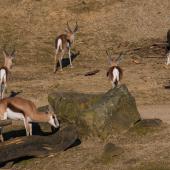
{"x":155,"y":111}
{"x":118,"y":25}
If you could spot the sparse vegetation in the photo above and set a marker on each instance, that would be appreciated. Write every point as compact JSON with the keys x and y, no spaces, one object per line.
{"x":119,"y":25}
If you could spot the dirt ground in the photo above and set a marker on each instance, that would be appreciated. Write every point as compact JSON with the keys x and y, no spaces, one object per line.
{"x":31,"y":26}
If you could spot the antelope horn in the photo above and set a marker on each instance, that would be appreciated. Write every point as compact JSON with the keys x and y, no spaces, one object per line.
{"x":76,"y":27}
{"x":109,"y":57}
{"x":68,"y":27}
{"x":13,"y":52}
{"x":4,"y":51}
{"x":119,"y":57}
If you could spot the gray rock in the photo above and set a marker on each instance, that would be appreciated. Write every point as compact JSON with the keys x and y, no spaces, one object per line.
{"x":100,"y":114}
{"x":149,"y":123}
{"x":111,"y":150}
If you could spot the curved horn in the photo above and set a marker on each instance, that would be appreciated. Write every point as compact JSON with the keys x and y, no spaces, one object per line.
{"x":4,"y":51}
{"x":13,"y":52}
{"x":76,"y":27}
{"x":68,"y":27}
{"x":118,"y":59}
{"x":109,"y":57}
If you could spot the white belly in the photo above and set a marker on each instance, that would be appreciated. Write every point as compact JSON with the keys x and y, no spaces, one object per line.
{"x":14,"y":115}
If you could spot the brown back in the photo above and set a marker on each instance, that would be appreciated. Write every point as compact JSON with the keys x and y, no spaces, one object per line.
{"x":64,"y":39}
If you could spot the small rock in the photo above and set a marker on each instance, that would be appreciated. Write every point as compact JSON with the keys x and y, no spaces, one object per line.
{"x":111,"y":150}
{"x":149,"y":123}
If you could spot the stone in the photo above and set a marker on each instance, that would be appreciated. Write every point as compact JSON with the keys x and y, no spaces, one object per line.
{"x":97,"y":114}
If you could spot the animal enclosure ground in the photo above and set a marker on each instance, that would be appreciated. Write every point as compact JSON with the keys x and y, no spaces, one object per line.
{"x":119,"y":25}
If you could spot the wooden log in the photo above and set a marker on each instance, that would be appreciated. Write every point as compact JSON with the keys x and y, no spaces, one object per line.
{"x":5,"y":122}
{"x":90,"y":73}
{"x":37,"y":146}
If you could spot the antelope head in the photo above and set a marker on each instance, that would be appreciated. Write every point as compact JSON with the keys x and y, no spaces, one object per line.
{"x":113,"y":61}
{"x":52,"y":118}
{"x":70,"y":33}
{"x":8,"y":58}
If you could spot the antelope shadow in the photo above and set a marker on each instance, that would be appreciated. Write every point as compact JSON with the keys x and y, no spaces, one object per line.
{"x":13,"y":93}
{"x":36,"y":129}
{"x":66,"y":61}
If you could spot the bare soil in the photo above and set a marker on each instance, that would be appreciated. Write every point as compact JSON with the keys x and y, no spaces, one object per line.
{"x":31,"y":26}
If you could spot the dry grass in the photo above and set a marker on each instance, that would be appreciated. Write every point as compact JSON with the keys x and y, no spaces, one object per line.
{"x":32,"y":25}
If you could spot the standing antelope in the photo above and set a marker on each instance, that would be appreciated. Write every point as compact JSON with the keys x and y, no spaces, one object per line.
{"x":4,"y":70}
{"x":63,"y":45}
{"x":168,"y":58}
{"x":114,"y":72}
{"x":17,"y":108}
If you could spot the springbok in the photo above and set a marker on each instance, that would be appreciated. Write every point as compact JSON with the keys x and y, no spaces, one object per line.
{"x":17,"y":108}
{"x":63,"y":45}
{"x":168,"y":58}
{"x":5,"y":69}
{"x":114,"y":72}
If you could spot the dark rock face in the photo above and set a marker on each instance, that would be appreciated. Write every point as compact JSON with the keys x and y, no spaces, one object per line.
{"x":100,"y":114}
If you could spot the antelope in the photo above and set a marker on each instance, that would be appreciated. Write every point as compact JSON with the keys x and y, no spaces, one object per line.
{"x":5,"y":69}
{"x":63,"y":45}
{"x":114,"y":72}
{"x":168,"y":58}
{"x":17,"y":108}
{"x":168,"y":48}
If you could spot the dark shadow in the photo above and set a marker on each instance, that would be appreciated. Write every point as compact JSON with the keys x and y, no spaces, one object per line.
{"x":36,"y":131}
{"x":13,"y":93}
{"x":167,"y":87}
{"x":76,"y":143}
{"x":14,"y":134}
{"x":66,"y":61}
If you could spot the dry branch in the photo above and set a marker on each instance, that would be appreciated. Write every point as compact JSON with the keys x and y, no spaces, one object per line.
{"x":90,"y":73}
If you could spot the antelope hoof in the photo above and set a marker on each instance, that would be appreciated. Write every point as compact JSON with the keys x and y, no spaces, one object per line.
{"x":72,"y":66}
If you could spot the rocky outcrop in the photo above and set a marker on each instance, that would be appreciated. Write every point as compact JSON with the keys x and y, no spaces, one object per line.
{"x":100,"y":114}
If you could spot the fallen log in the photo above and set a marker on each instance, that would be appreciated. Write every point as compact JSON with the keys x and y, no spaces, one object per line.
{"x":37,"y":146}
{"x":5,"y":123}
{"x":90,"y":73}
{"x":160,"y":44}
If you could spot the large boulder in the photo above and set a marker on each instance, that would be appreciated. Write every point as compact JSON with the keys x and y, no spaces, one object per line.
{"x":97,"y":114}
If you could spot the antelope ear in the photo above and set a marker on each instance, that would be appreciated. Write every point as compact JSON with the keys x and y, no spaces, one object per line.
{"x":4,"y":53}
{"x":66,"y":30}
{"x":50,"y":109}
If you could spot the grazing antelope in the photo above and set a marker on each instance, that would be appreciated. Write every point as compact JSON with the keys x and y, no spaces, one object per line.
{"x":17,"y":108}
{"x":4,"y":70}
{"x":63,"y":45}
{"x":114,"y":72}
